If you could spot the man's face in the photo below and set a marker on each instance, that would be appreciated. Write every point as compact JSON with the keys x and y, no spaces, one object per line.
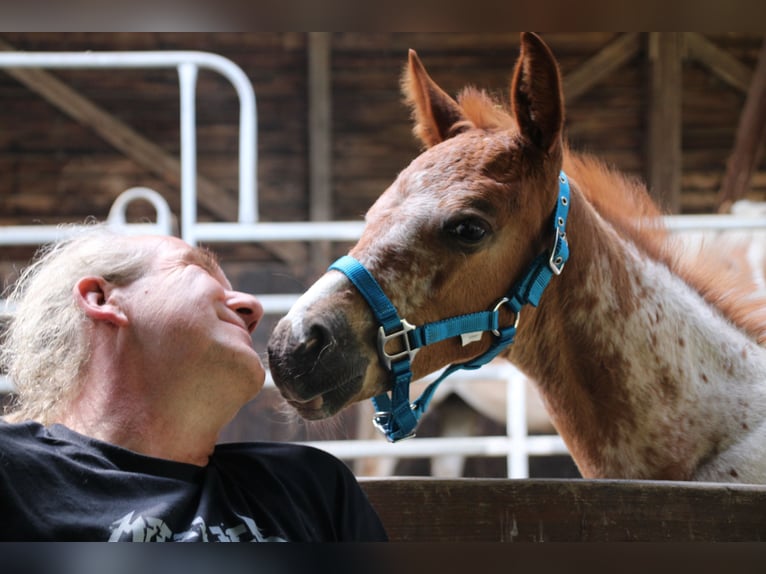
{"x":191,"y":328}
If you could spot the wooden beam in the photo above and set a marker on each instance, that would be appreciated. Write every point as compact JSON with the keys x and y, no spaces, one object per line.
{"x":492,"y":510}
{"x":149,"y":155}
{"x":610,"y":58}
{"x":721,"y":63}
{"x":320,"y":143}
{"x":664,"y":138}
{"x":751,"y":133}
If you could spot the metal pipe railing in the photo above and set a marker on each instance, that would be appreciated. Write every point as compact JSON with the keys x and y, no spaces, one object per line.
{"x":187,"y":63}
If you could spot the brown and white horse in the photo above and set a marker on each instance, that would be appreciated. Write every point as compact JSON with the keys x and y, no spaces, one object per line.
{"x":649,"y":358}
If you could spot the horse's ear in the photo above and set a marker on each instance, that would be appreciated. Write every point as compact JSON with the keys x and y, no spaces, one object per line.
{"x":536,"y":96}
{"x":434,"y":111}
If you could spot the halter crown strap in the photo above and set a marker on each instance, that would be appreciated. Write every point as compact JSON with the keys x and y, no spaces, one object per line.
{"x":395,"y":416}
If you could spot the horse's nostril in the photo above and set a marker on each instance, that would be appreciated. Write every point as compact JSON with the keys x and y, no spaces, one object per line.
{"x":319,"y":340}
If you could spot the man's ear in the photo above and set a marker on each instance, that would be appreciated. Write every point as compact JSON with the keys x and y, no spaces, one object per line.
{"x":94,"y":297}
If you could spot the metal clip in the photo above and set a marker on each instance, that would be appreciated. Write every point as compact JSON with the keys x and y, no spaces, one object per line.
{"x":382,"y":422}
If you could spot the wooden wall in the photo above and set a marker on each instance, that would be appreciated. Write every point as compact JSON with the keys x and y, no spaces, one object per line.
{"x":56,"y":170}
{"x":53,"y":169}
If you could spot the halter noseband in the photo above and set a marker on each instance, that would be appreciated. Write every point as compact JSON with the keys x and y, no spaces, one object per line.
{"x":395,"y":416}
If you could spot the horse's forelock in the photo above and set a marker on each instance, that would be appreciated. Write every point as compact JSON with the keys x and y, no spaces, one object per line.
{"x":483,"y":111}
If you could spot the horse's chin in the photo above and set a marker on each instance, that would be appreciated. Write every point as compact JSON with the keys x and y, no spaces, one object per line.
{"x":312,"y":410}
{"x":311,"y":413}
{"x":329,"y":403}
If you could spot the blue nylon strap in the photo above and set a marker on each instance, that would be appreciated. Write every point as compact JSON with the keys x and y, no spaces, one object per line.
{"x":387,"y":316}
{"x":532,"y":285}
{"x":431,"y":333}
{"x":506,"y":338}
{"x":400,"y":422}
{"x":381,"y":306}
{"x":541,"y":271}
{"x":396,"y":417}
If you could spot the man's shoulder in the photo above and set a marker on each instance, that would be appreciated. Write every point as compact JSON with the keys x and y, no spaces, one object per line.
{"x":22,"y":433}
{"x":278,"y":451}
{"x":287,"y":460}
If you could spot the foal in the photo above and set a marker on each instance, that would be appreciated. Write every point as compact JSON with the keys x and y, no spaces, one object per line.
{"x":648,"y":358}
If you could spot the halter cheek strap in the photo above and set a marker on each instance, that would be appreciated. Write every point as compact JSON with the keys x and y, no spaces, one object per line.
{"x":396,"y":417}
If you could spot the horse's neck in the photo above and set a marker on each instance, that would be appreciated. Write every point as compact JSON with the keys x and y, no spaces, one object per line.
{"x":642,"y":377}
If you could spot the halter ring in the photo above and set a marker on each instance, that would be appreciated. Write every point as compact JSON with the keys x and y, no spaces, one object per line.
{"x":500,"y":303}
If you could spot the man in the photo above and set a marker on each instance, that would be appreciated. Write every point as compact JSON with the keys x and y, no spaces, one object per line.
{"x":129,"y":355}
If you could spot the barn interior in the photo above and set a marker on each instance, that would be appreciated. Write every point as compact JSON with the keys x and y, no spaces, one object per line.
{"x":686,"y":112}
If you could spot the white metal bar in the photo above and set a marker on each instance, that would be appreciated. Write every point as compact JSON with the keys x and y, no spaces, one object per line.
{"x":714,"y":222}
{"x":33,"y":234}
{"x":187,"y":81}
{"x":516,"y":426}
{"x":117,"y":213}
{"x":280,"y":231}
{"x":5,"y":384}
{"x":490,"y":446}
{"x":277,"y":304}
{"x":41,"y":234}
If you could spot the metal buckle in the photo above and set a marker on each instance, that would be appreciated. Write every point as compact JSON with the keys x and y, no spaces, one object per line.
{"x":383,"y":340}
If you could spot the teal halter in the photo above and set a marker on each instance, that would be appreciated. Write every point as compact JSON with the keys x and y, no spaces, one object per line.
{"x":395,"y":416}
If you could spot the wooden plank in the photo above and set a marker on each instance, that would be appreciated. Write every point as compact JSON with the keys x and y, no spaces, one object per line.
{"x":751,"y":133}
{"x":610,"y":58}
{"x":722,"y":64}
{"x":562,"y":510}
{"x":320,"y":143}
{"x":217,"y":200}
{"x":664,"y":138}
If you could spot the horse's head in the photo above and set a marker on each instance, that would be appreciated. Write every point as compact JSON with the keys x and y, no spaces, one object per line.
{"x":448,"y":237}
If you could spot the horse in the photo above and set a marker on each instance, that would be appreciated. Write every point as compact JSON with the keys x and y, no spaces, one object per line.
{"x":484,"y":399}
{"x":648,"y":355}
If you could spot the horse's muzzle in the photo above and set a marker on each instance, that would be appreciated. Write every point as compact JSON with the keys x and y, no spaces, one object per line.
{"x":316,"y":364}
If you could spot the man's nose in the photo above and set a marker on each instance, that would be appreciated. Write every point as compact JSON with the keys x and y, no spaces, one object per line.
{"x":247,"y":307}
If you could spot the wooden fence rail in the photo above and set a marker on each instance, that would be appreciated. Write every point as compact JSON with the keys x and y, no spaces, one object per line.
{"x":563,"y":510}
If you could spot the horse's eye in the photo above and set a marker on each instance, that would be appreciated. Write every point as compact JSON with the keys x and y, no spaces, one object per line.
{"x":470,"y":230}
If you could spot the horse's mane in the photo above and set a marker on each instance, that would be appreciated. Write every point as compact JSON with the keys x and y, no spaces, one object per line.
{"x":625,"y":202}
{"x":717,"y":268}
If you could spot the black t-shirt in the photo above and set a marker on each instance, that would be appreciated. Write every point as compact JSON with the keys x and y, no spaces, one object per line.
{"x":56,"y":484}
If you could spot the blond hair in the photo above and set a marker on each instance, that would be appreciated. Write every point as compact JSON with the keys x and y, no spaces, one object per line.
{"x":45,"y":345}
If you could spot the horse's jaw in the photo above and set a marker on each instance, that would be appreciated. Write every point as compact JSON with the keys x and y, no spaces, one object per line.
{"x":316,"y":355}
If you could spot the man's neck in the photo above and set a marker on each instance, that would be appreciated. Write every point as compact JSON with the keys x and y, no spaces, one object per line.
{"x":142,"y":428}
